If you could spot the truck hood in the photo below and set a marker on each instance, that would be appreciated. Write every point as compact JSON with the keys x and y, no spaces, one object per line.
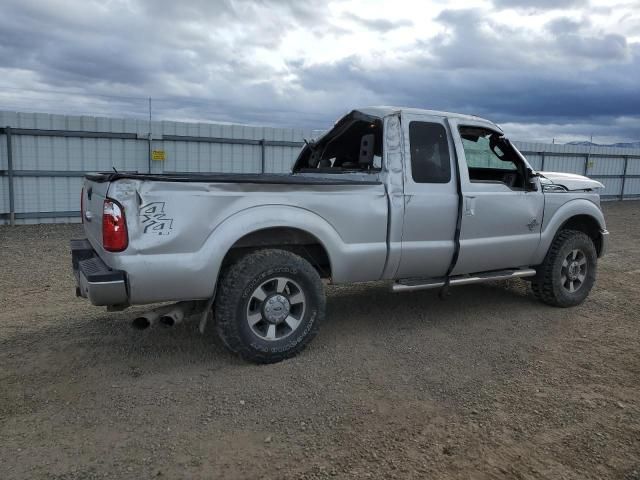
{"x":570,"y":181}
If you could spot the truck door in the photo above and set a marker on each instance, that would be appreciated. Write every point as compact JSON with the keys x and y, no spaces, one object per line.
{"x":502,"y":213}
{"x":430,"y":197}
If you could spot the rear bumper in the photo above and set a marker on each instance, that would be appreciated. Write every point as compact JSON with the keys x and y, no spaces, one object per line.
{"x":94,"y":279}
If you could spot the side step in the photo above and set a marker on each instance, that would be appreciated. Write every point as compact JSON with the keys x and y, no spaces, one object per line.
{"x":410,"y":285}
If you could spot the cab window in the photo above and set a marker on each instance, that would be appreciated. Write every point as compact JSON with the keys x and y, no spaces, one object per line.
{"x":430,"y":160}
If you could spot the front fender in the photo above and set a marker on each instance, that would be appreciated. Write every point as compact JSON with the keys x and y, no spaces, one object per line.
{"x":555,"y":218}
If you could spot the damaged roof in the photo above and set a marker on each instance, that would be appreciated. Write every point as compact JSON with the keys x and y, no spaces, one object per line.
{"x":383,"y":111}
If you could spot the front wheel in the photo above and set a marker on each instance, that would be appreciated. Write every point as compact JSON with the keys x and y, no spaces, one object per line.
{"x":568,"y":272}
{"x":269,"y":305}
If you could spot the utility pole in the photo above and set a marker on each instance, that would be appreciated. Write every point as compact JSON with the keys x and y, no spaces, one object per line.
{"x":150,"y":138}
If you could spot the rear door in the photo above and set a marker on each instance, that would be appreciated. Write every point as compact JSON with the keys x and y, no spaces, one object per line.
{"x":501,"y":221}
{"x":430,"y":197}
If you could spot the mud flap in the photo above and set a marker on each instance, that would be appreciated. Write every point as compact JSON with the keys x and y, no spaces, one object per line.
{"x":207,"y":313}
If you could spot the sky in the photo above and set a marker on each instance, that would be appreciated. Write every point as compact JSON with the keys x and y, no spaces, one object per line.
{"x":543,"y":69}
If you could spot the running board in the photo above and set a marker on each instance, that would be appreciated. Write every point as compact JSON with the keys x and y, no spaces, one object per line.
{"x":410,"y":285}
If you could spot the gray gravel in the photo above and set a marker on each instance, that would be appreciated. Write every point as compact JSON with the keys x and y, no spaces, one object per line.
{"x":487,"y":384}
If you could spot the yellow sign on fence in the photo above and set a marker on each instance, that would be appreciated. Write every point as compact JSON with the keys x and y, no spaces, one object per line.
{"x":157,"y":155}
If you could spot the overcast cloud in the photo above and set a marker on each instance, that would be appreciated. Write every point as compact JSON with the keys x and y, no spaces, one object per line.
{"x":563,"y":69}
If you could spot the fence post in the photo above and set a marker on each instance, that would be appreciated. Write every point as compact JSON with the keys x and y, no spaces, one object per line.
{"x":586,"y":165}
{"x":149,"y":139}
{"x":12,"y":209}
{"x":624,"y":177}
{"x":262,"y":147}
{"x":149,"y":153}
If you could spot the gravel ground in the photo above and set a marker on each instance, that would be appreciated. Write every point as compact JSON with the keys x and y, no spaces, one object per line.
{"x":487,"y":384}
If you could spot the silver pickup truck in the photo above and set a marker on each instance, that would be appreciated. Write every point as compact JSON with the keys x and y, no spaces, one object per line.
{"x":423,"y":199}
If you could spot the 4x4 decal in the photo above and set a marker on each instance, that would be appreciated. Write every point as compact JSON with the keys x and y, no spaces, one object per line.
{"x":153,"y":219}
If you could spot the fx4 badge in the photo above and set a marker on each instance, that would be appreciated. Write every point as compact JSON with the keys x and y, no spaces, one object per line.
{"x":533,"y":224}
{"x":154,"y":220}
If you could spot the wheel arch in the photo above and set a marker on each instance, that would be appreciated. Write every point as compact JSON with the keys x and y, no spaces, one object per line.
{"x":263,"y":227}
{"x":293,"y":239}
{"x":579,"y":214}
{"x":588,"y":225}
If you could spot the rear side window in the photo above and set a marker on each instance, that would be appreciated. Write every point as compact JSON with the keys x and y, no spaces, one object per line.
{"x":430,"y":161}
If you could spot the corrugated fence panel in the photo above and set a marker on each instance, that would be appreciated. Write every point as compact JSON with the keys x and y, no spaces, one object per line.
{"x":77,"y":154}
{"x":84,"y":152}
{"x":633,"y":166}
{"x":605,"y":166}
{"x":535,"y":160}
{"x":558,"y":163}
{"x":60,"y":194}
{"x":47,"y":194}
{"x":248,"y":158}
{"x":612,"y":186}
{"x":176,"y":152}
{"x":632,"y":186}
{"x":210,"y":156}
{"x":269,"y":166}
{"x":279,"y":159}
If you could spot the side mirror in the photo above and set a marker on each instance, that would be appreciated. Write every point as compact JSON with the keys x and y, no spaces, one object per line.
{"x":367,"y":147}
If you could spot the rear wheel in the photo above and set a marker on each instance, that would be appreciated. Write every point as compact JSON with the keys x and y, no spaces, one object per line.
{"x":269,"y":306}
{"x":568,"y":272}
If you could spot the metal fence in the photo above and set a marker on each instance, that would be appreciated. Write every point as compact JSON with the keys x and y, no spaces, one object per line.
{"x":44,"y":157}
{"x":617,"y":168}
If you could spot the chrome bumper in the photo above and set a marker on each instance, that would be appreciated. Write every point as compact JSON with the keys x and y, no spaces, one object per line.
{"x":94,"y":279}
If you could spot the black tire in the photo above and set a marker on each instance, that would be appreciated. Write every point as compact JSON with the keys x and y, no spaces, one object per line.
{"x":555,"y":278}
{"x":236,"y":302}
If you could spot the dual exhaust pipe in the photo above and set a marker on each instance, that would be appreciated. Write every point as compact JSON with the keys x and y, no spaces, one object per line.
{"x":167,"y":316}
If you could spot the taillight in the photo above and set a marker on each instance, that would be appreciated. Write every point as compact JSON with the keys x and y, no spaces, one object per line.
{"x":82,"y":204}
{"x":114,"y":227}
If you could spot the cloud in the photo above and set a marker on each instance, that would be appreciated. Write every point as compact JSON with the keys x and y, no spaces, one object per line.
{"x":564,"y":25}
{"x":509,"y":75}
{"x":616,"y":130}
{"x":378,"y":24}
{"x":607,"y":47}
{"x":295,"y":63}
{"x":540,"y":4}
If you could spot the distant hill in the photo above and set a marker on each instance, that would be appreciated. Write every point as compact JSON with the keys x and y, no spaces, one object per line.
{"x":616,"y":145}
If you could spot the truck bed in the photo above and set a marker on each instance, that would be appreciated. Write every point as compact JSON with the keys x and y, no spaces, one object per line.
{"x":255,"y":178}
{"x":180,"y":226}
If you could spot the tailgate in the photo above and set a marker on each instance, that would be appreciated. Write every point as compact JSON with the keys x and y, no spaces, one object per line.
{"x":93,"y":196}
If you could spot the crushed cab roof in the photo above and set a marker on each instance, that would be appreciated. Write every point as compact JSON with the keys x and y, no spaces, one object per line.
{"x":383,"y":111}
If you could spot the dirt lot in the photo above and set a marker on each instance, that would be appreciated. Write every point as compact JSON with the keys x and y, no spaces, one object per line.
{"x":487,"y":384}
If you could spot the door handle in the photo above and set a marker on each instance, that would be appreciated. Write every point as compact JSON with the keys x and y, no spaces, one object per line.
{"x":469,"y":206}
